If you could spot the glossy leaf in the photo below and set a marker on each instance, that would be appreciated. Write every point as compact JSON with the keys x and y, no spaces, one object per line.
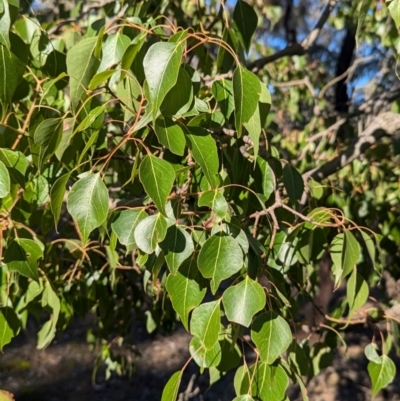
{"x":5,"y":24}
{"x":381,"y":374}
{"x":161,"y":67}
{"x":220,"y":258}
{"x":149,"y":232}
{"x":157,"y":177}
{"x":205,"y":323}
{"x":124,"y":227}
{"x":242,"y":301}
{"x":177,"y":247}
{"x":171,"y":389}
{"x":114,"y":48}
{"x":88,"y":204}
{"x":204,"y":151}
{"x":245,"y":22}
{"x":22,"y":255}
{"x":4,"y":180}
{"x":186,"y":290}
{"x":246,"y":93}
{"x":272,"y":336}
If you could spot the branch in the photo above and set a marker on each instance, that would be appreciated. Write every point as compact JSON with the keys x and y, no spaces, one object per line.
{"x":385,"y":124}
{"x":297,"y":49}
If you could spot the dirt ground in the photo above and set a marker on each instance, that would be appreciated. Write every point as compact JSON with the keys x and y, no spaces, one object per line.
{"x":63,"y":372}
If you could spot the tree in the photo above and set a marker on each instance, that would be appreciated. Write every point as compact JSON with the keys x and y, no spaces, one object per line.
{"x":144,"y":174}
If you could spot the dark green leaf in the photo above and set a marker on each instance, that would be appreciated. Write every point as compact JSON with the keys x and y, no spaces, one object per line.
{"x":150,"y":231}
{"x":223,"y":93}
{"x":245,"y":22}
{"x":57,"y":193}
{"x":157,"y":177}
{"x":170,"y":134}
{"x":9,"y":326}
{"x":357,"y":292}
{"x":215,"y":201}
{"x":294,"y":183}
{"x":48,"y":136}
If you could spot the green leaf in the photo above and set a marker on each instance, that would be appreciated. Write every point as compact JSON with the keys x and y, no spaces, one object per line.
{"x":241,"y":380}
{"x":204,"y":151}
{"x":88,"y":204}
{"x":4,"y":180}
{"x":270,"y":382}
{"x":157,"y":177}
{"x":245,"y":21}
{"x":150,"y":231}
{"x":171,"y":389}
{"x":272,"y":336}
{"x":5,"y":24}
{"x":124,"y":227}
{"x":244,"y":397}
{"x":57,"y":193}
{"x":220,"y":258}
{"x":161,"y":68}
{"x":179,"y":99}
{"x":204,"y":358}
{"x":246,"y":93}
{"x":371,"y":354}
{"x":81,"y":67}
{"x":381,"y":374}
{"x":215,"y":201}
{"x":9,"y":326}
{"x":223,"y":93}
{"x":365,"y":4}
{"x":242,"y":301}
{"x":170,"y":134}
{"x":114,"y":48}
{"x":293,"y":182}
{"x":22,"y":255}
{"x":48,"y":136}
{"x":357,"y":292}
{"x":16,"y":163}
{"x":185,"y":289}
{"x":268,"y":177}
{"x":394,"y":9}
{"x":205,"y":323}
{"x":177,"y":247}
{"x":11,"y":71}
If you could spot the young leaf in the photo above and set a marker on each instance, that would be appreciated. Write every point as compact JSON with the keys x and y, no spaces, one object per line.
{"x":204,"y":151}
{"x":170,"y":134}
{"x":171,"y":389}
{"x":242,"y":301}
{"x":203,"y":357}
{"x":246,"y":93}
{"x":48,"y":136}
{"x":272,"y":336}
{"x":9,"y":326}
{"x":177,"y":247}
{"x":220,"y":258}
{"x":245,"y":22}
{"x":161,"y":67}
{"x":381,"y":374}
{"x":150,"y":231}
{"x":371,"y":353}
{"x":124,"y":227}
{"x":4,"y":180}
{"x":205,"y":323}
{"x":157,"y":177}
{"x":357,"y":292}
{"x":270,"y":382}
{"x":223,"y":93}
{"x":88,"y":204}
{"x":294,"y":183}
{"x":81,"y":67}
{"x":22,"y":255}
{"x":185,"y":289}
